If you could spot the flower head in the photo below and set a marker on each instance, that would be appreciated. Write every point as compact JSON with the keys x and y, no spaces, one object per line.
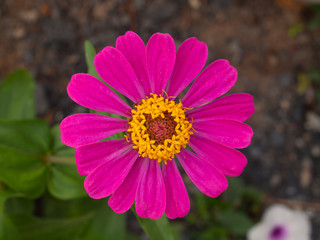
{"x":281,"y":223}
{"x":141,"y":166}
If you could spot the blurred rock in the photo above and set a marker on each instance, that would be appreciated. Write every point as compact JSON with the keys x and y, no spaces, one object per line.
{"x":291,"y":191}
{"x":277,"y":139}
{"x":157,"y":12}
{"x":315,"y":150}
{"x":139,"y":4}
{"x":18,"y":32}
{"x":195,"y":4}
{"x":285,"y":79}
{"x":101,"y":10}
{"x":312,"y":121}
{"x":275,"y":180}
{"x":236,"y":51}
{"x":29,"y":16}
{"x":306,"y":173}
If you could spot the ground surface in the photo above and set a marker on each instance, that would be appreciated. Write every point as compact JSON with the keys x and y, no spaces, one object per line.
{"x":47,"y":37}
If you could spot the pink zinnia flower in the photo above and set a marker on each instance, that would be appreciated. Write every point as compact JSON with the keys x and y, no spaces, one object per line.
{"x":140,"y":167}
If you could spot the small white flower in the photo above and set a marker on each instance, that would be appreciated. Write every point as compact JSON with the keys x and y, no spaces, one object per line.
{"x":281,"y":223}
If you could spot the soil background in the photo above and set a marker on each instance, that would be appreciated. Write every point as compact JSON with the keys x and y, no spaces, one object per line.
{"x":47,"y":38}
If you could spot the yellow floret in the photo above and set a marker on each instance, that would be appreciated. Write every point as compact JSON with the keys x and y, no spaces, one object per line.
{"x":156,"y":106}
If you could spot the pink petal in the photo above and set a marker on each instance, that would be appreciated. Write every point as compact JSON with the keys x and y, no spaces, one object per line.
{"x":238,"y":107}
{"x":84,"y":128}
{"x":177,"y":203}
{"x":204,"y":175}
{"x":191,"y":58}
{"x":92,"y":93}
{"x":228,"y":160}
{"x":115,"y":70}
{"x":161,"y":55}
{"x":123,"y":198}
{"x":228,"y":132}
{"x":133,"y":48}
{"x":215,"y":80}
{"x":88,"y":157}
{"x":106,"y":178}
{"x":151,"y":193}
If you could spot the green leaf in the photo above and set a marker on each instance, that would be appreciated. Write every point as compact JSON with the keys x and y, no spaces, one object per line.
{"x":236,"y":222}
{"x":7,"y":229}
{"x":31,"y":228}
{"x":159,"y":229}
{"x":64,"y":182}
{"x":58,"y":149}
{"x":90,"y":53}
{"x":95,"y":225}
{"x":23,"y":146}
{"x":4,"y":195}
{"x":235,"y":190}
{"x":106,"y":225}
{"x":19,"y":205}
{"x":296,"y":29}
{"x":56,"y":208}
{"x":17,"y":96}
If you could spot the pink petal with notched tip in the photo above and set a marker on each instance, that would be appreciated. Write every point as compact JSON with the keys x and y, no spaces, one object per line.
{"x":90,"y":156}
{"x":191,"y":58}
{"x":90,"y":92}
{"x":85,"y":128}
{"x":238,"y":107}
{"x":115,"y":70}
{"x":177,"y":203}
{"x":106,"y":178}
{"x":133,"y":48}
{"x":203,"y":174}
{"x":228,"y":132}
{"x":213,"y":81}
{"x":161,"y":55}
{"x":123,"y":198}
{"x":151,"y":193}
{"x":228,"y":160}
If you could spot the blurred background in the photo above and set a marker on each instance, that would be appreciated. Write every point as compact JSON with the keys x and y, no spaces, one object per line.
{"x":274,"y":44}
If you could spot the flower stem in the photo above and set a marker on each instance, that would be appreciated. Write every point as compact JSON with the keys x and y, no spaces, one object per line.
{"x":63,"y":160}
{"x":159,"y":229}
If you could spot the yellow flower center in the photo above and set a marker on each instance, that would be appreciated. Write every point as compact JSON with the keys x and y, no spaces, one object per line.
{"x":159,"y":128}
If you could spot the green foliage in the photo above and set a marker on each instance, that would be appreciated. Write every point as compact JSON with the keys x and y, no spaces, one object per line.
{"x":106,"y":225}
{"x":226,"y":217}
{"x":23,"y":146}
{"x":28,"y":227}
{"x":65,"y":182}
{"x":19,"y":205}
{"x":17,"y":96}
{"x":90,"y":53}
{"x":33,"y":163}
{"x":314,"y":22}
{"x":236,"y":222}
{"x":156,"y":229}
{"x":296,"y":29}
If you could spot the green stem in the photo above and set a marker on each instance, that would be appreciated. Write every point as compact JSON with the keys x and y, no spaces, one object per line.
{"x":63,"y":160}
{"x":159,"y":229}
